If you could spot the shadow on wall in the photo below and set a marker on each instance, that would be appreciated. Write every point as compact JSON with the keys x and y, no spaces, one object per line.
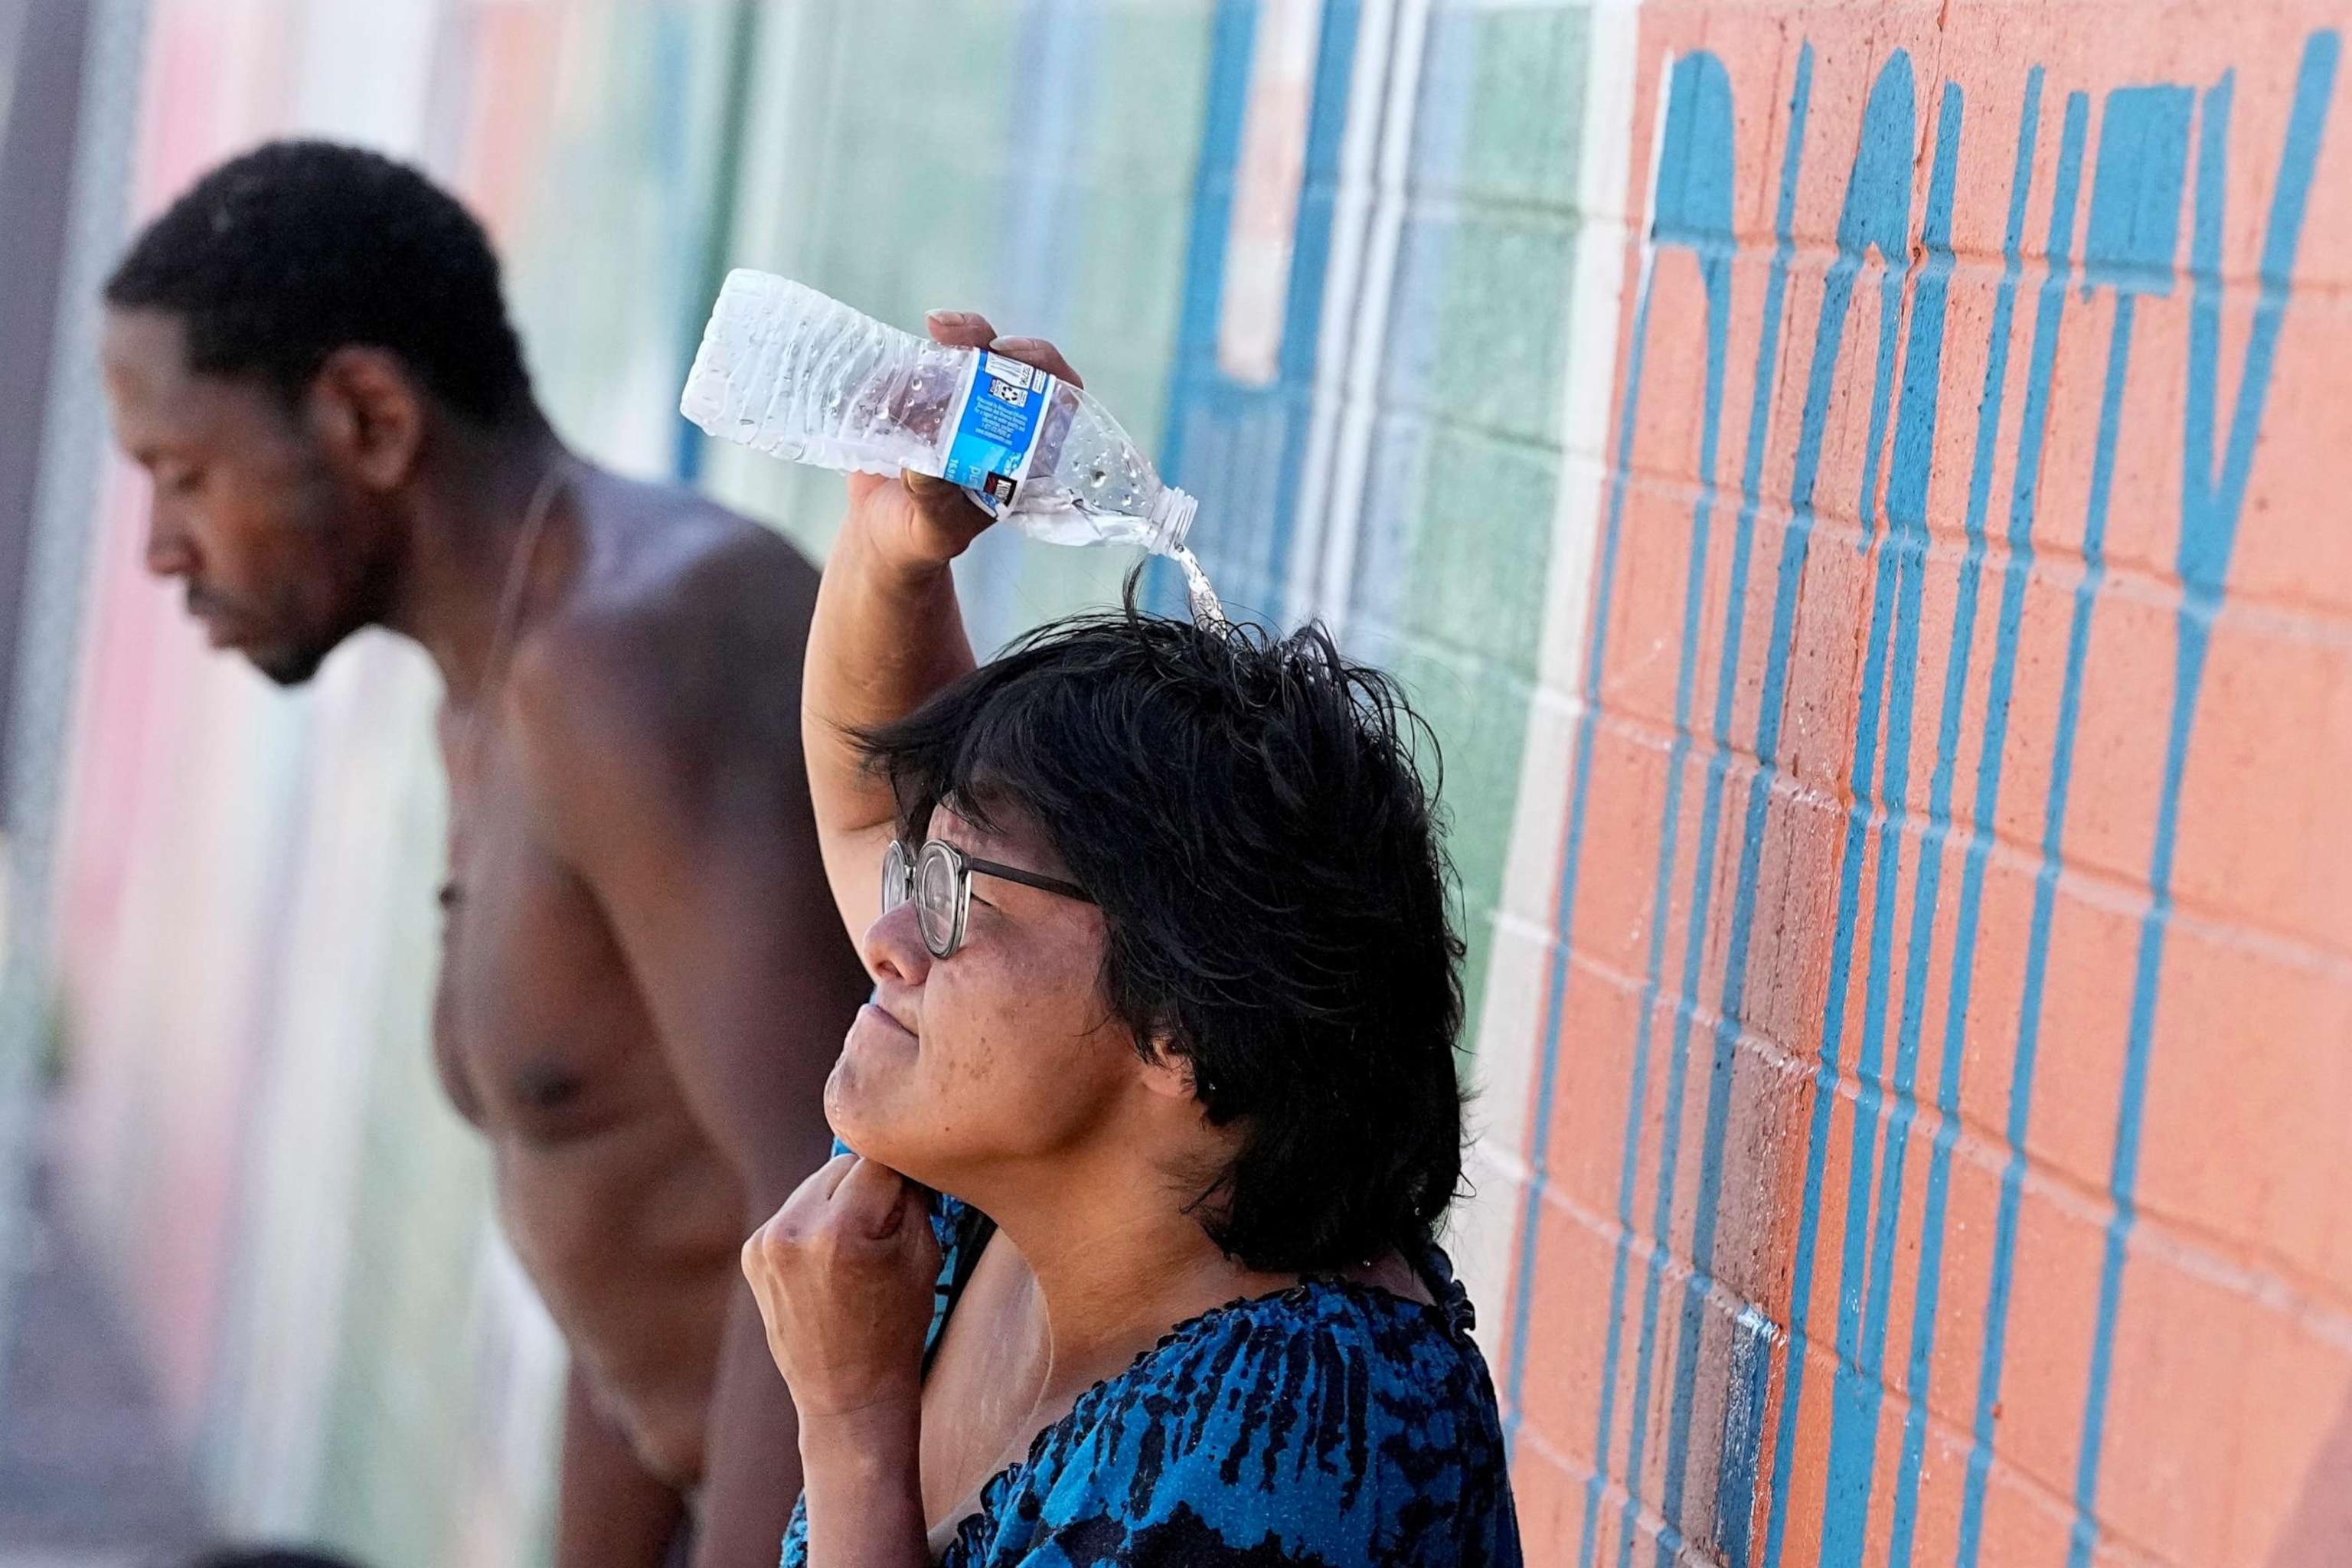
{"x":2321,"y":1523}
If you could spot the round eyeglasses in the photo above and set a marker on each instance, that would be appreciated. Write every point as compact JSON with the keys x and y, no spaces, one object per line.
{"x":938,"y":877}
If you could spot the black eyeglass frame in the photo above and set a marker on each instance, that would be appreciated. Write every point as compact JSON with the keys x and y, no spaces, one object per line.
{"x":902,"y":882}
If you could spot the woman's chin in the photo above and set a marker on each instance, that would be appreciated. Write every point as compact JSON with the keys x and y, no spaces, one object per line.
{"x":875,"y":1100}
{"x":872,"y":1128}
{"x":875,"y":1068}
{"x":848,"y":1105}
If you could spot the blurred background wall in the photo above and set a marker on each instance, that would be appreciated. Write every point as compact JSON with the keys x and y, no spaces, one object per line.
{"x":1858,"y":490}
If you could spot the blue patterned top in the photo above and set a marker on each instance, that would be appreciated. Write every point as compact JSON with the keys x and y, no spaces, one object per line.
{"x":1332,"y":1425}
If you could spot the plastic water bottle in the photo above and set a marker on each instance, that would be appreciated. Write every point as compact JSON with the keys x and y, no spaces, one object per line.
{"x":789,"y":372}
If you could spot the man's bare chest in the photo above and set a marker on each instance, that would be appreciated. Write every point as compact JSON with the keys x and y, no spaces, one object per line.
{"x":539,"y":1029}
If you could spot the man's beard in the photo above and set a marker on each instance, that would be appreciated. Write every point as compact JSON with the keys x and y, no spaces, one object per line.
{"x":292,"y":666}
{"x":295,"y":657}
{"x":286,"y":663}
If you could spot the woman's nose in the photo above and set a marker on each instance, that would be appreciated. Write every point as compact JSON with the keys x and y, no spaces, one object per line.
{"x":894,"y":946}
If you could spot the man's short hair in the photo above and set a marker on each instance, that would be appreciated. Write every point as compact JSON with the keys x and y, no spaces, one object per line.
{"x":277,"y":258}
{"x":1250,"y":815}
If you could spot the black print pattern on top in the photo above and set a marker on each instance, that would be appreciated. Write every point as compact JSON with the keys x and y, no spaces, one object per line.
{"x":1330,"y":1426}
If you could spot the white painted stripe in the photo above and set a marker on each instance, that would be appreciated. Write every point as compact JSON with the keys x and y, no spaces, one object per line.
{"x":1512,"y":1016}
{"x":1261,"y":224}
{"x":1368,"y":215}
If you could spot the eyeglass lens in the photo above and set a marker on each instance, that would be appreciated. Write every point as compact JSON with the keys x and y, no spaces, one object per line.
{"x":935,"y":897}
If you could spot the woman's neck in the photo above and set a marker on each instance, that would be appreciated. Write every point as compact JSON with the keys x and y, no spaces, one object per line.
{"x":1117,"y":1271}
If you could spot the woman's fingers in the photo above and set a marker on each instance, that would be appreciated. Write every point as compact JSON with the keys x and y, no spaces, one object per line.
{"x":1039,"y":353}
{"x":870,"y":1200}
{"x":843,"y":1274}
{"x":945,"y":509}
{"x":826,"y":1179}
{"x":959,"y":329}
{"x":970,"y":330}
{"x":846,"y":1201}
{"x":929,"y":520}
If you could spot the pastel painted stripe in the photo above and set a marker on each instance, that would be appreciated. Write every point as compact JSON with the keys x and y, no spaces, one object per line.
{"x":1571,"y":860}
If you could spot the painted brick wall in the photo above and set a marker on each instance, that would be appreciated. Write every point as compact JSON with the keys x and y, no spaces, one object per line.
{"x":1937,"y":1147}
{"x":1857,"y":490}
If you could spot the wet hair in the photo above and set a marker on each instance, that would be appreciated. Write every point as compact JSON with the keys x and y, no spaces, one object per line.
{"x":1250,"y":814}
{"x":277,"y":257}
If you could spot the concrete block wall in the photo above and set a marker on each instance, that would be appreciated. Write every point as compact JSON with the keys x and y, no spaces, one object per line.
{"x":1856,"y":489}
{"x":1933,"y":1153}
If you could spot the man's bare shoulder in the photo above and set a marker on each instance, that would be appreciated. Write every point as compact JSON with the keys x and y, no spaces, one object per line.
{"x":681,"y":635}
{"x":665,"y":564}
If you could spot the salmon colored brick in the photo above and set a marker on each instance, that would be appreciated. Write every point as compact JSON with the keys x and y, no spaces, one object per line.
{"x":1596,"y":1040}
{"x":2050,"y":1312}
{"x":2273,"y":744}
{"x":2085,"y":1016}
{"x":2192,"y":1390}
{"x":1652,"y":563}
{"x":2300,"y":1511}
{"x":2022,"y":1522}
{"x":2246,"y":1146}
{"x":1550,"y":1497}
{"x":2127,"y":693}
{"x":1619,"y":847}
{"x":2278,"y":563}
{"x":1788,"y":970}
{"x":1569,"y":1316}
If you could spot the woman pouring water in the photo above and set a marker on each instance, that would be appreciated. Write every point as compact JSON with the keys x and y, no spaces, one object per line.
{"x":1154,"y":1110}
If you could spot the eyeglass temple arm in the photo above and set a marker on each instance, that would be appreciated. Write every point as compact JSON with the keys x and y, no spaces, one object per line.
{"x":1030,"y":879}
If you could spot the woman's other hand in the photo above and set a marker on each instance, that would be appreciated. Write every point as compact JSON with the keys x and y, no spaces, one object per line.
{"x":843,"y":1274}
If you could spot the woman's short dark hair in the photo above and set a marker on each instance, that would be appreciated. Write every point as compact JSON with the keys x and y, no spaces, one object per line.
{"x":1251,"y":816}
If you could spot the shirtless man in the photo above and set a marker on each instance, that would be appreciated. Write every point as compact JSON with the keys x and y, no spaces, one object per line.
{"x":643,"y":980}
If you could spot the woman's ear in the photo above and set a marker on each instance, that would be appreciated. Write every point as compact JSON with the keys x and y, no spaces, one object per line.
{"x":1168,"y":1069}
{"x":1166,"y":1072}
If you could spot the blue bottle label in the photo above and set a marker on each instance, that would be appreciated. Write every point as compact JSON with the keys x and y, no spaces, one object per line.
{"x":1003,"y":408}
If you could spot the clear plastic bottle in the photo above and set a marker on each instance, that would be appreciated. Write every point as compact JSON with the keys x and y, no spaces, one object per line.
{"x":789,"y":372}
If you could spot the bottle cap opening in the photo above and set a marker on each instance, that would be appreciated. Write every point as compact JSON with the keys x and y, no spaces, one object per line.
{"x":1171,"y":520}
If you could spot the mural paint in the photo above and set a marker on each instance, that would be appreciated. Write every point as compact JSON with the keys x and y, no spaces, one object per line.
{"x":1890,"y":196}
{"x":1857,"y":491}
